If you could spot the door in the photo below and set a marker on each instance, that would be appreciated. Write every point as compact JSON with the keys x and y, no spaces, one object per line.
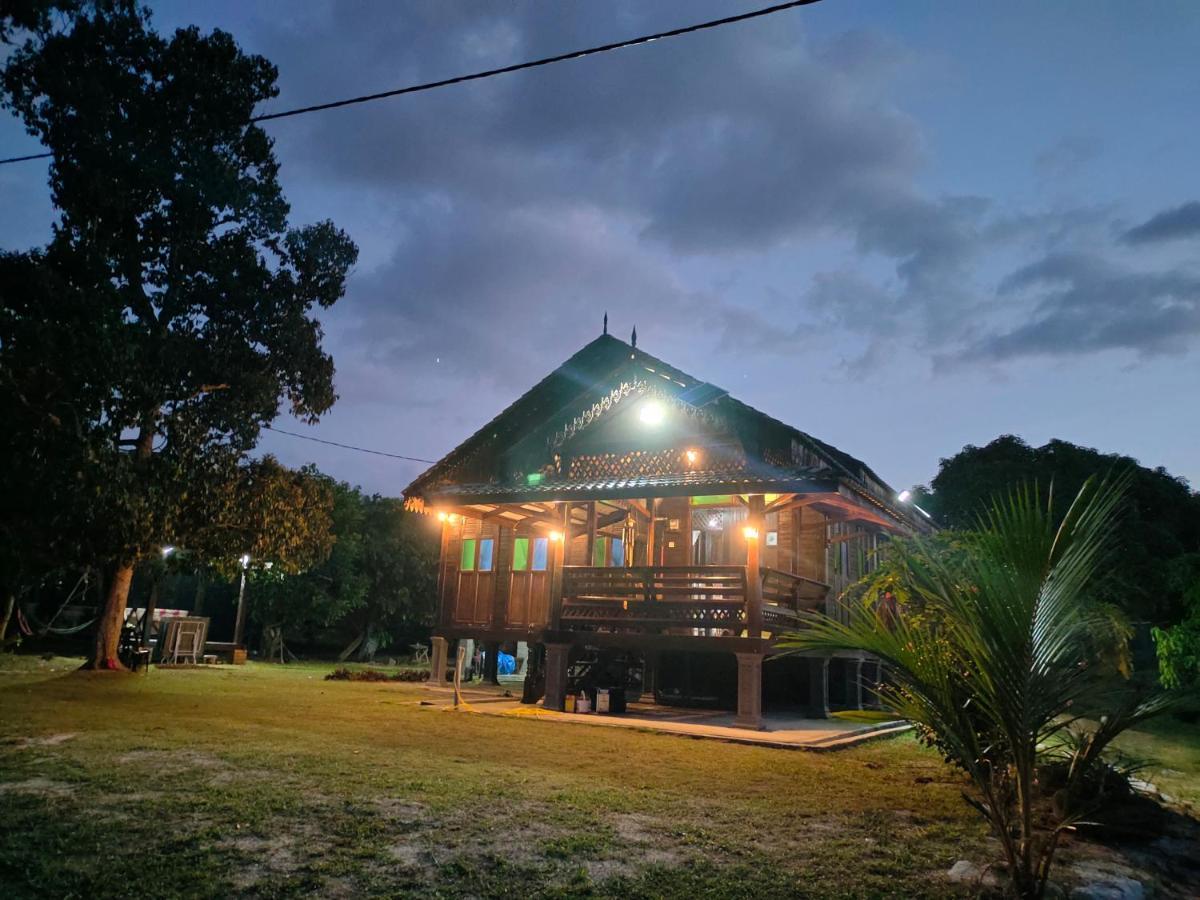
{"x":528,"y":599}
{"x":476,"y":575}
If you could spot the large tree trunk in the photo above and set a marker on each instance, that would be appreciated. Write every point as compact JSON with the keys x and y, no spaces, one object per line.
{"x":10,"y":602}
{"x":111,"y":620}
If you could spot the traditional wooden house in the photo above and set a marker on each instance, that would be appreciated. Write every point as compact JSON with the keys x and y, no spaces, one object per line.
{"x":623,"y":506}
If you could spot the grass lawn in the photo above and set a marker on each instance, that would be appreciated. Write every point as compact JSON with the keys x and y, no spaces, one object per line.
{"x":265,"y":780}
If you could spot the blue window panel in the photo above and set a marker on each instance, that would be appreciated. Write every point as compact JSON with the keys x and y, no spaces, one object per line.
{"x":541,"y":550}
{"x":618,"y":552}
{"x":485,"y":554}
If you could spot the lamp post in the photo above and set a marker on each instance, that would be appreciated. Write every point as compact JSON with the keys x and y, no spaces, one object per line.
{"x":239,"y":627}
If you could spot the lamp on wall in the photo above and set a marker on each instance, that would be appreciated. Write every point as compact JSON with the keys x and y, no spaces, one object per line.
{"x":692,"y":456}
{"x":556,"y":536}
{"x":651,"y":412}
{"x":750,"y":532}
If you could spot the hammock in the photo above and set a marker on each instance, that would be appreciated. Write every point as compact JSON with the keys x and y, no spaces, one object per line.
{"x":28,"y":622}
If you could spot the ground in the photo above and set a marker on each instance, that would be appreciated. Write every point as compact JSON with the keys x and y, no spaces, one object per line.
{"x":265,"y":780}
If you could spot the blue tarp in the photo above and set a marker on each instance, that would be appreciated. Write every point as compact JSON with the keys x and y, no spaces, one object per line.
{"x":505,"y":664}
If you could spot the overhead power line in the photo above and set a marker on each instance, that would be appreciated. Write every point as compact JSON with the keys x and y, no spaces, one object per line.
{"x":309,"y":437}
{"x":504,"y":70}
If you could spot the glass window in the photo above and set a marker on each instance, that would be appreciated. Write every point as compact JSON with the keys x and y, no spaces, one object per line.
{"x":541,"y":549}
{"x":598,"y":551}
{"x":468,"y":555}
{"x":520,"y":554}
{"x":485,"y":554}
{"x":618,"y":552}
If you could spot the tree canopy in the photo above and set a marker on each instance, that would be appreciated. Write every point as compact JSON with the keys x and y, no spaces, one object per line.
{"x":184,"y":304}
{"x":1158,"y":530}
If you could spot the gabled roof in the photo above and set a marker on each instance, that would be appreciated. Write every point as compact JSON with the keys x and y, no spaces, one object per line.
{"x":526,"y":436}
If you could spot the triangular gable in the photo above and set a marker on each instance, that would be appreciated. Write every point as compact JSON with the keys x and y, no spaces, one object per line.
{"x":586,"y":398}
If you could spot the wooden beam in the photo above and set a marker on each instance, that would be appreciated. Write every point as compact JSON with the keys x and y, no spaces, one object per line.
{"x":779,"y":503}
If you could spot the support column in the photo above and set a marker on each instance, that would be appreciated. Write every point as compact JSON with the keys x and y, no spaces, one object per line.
{"x":491,"y":662}
{"x":749,"y":692}
{"x":858,"y":684}
{"x":557,"y":559}
{"x":557,"y":657}
{"x":754,"y":520}
{"x":438,"y":660}
{"x":818,"y":687}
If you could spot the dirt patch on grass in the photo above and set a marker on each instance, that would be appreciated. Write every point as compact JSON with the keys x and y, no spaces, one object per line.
{"x":45,"y":740}
{"x":41,"y":787}
{"x":172,"y":762}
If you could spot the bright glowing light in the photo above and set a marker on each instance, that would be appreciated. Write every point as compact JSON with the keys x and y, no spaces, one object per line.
{"x":714,"y":522}
{"x":750,"y":532}
{"x":692,"y":456}
{"x":245,"y":560}
{"x":452,"y":518}
{"x":167,"y":551}
{"x":904,"y":496}
{"x":556,"y":536}
{"x":442,"y":517}
{"x":651,"y":412}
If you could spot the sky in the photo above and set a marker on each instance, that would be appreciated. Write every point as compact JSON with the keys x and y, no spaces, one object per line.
{"x":902,"y":228}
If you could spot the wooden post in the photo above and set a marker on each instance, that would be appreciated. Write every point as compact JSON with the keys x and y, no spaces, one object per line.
{"x":557,"y":557}
{"x":650,"y":533}
{"x":754,"y":568}
{"x":443,"y":614}
{"x":591,"y":533}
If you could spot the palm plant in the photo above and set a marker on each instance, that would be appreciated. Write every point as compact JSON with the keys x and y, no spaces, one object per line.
{"x":993,"y":656}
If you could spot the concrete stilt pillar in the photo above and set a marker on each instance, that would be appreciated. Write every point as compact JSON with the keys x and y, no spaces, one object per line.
{"x":858,"y":683}
{"x":491,"y":668}
{"x":749,"y":692}
{"x":438,"y":660}
{"x":557,"y":657}
{"x":818,"y":687}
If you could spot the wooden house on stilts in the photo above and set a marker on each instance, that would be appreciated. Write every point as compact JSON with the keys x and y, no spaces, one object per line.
{"x":623,"y":516}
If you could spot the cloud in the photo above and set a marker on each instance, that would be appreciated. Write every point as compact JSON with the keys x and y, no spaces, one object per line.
{"x":1086,"y":304}
{"x":1180,"y":222}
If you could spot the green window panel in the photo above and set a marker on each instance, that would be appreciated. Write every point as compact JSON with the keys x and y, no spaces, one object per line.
{"x":520,"y":554}
{"x":467,"y":564}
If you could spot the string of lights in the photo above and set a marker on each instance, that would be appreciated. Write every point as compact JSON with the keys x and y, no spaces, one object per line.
{"x":309,"y":437}
{"x":504,"y":70}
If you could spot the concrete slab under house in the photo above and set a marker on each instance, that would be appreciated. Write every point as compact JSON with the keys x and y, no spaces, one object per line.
{"x":628,"y":533}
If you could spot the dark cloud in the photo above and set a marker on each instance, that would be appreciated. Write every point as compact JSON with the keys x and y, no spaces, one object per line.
{"x":1085,"y":304}
{"x":1180,"y":222}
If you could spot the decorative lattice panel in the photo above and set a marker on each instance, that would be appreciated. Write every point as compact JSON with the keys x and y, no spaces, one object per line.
{"x":637,"y":463}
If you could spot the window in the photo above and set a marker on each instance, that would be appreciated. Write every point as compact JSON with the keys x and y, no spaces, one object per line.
{"x":541,"y":549}
{"x":618,"y":552}
{"x":485,"y":554}
{"x":521,"y":554}
{"x":598,"y":552}
{"x":468,"y":555}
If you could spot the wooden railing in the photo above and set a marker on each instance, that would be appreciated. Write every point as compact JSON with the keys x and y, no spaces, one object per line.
{"x":686,"y":596}
{"x":655,"y":596}
{"x":785,"y":595}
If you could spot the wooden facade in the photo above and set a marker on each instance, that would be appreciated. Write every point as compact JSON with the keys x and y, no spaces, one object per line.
{"x":623,"y":504}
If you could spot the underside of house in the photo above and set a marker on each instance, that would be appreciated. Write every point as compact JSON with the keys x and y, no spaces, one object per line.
{"x":623,"y":524}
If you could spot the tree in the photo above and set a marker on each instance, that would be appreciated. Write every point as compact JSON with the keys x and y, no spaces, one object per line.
{"x":996,"y":665}
{"x":1161,"y":522}
{"x":200,"y":298}
{"x":284,"y":601}
{"x":1178,"y":647}
{"x":399,"y":560}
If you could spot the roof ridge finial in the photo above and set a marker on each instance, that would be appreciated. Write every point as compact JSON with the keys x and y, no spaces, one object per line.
{"x":633,"y":338}
{"x":606,"y":321}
